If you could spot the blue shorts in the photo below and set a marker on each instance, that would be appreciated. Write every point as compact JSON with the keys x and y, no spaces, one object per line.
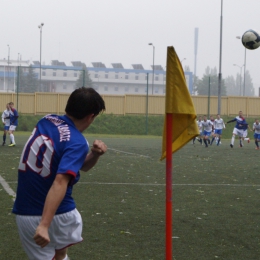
{"x":205,"y":133}
{"x":6,"y":127}
{"x":218,"y":131}
{"x":257,"y":136}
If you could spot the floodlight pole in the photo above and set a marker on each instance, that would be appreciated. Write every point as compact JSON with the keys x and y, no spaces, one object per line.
{"x":240,"y":91}
{"x":220,"y":61}
{"x":244,"y":90}
{"x":153,"y":65}
{"x":40,"y":27}
{"x":8,"y":75}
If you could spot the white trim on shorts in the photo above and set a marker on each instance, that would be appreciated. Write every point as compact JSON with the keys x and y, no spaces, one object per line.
{"x":12,"y":127}
{"x":239,"y":132}
{"x":65,"y":230}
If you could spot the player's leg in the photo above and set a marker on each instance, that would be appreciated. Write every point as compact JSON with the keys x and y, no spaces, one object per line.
{"x":193,"y":140}
{"x":233,"y":137}
{"x":257,"y":139}
{"x":61,"y":254}
{"x":4,"y":135}
{"x":213,"y":138}
{"x":11,"y":134}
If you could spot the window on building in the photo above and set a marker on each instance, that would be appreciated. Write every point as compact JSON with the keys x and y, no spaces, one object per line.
{"x":126,"y":76}
{"x":126,"y":88}
{"x":106,"y":76}
{"x":156,"y":90}
{"x":156,"y":78}
{"x":136,"y":89}
{"x":96,"y":87}
{"x":64,"y":86}
{"x":136,"y":77}
{"x":64,"y":74}
{"x":106,"y":88}
{"x":44,"y":73}
{"x":116,"y":88}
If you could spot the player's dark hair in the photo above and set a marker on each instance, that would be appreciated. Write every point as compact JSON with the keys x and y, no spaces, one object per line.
{"x":84,"y":101}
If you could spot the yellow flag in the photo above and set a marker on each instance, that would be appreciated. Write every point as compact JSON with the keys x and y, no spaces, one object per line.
{"x":179,"y":104}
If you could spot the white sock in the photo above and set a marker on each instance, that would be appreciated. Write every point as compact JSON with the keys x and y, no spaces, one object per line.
{"x":232,"y":139}
{"x":246,"y":139}
{"x":66,"y":257}
{"x":12,"y":138}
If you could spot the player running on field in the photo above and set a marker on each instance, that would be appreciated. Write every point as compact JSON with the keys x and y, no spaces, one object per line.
{"x":219,"y":125}
{"x":207,"y":126}
{"x":199,"y":138}
{"x":6,"y":122}
{"x":239,"y":128}
{"x":13,"y":123}
{"x":212,"y":133}
{"x":256,"y":129}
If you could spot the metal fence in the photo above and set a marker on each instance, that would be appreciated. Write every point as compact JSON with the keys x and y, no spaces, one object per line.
{"x":44,"y":103}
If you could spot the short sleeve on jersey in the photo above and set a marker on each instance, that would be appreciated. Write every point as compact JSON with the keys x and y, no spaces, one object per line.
{"x":72,"y":159}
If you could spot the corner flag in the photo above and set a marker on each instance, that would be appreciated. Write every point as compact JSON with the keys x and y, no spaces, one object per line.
{"x":179,"y":105}
{"x":180,"y":127}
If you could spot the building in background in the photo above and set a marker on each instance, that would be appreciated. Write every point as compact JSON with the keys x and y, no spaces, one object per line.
{"x":117,"y":80}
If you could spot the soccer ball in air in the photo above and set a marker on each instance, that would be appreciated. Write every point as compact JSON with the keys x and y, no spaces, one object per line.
{"x":251,"y":39}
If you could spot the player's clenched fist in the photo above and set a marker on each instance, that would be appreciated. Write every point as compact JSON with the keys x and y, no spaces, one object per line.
{"x":99,"y":147}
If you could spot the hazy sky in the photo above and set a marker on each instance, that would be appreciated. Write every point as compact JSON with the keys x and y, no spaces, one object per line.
{"x":118,"y":31}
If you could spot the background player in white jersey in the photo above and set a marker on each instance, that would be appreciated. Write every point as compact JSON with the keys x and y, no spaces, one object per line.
{"x":13,"y":123}
{"x":46,"y":215}
{"x":199,"y":138}
{"x":256,"y":129}
{"x":207,"y":129}
{"x":219,"y":125}
{"x":6,"y":122}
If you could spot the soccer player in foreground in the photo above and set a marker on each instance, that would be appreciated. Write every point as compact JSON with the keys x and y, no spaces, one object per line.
{"x":238,"y":129}
{"x":13,"y":122}
{"x":47,"y":219}
{"x":6,"y":122}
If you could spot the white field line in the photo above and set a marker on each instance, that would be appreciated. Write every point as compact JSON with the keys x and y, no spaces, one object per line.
{"x":162,"y":184}
{"x":7,"y":187}
{"x":128,"y":153}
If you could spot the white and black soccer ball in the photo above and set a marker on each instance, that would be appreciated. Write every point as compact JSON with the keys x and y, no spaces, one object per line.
{"x":251,"y":39}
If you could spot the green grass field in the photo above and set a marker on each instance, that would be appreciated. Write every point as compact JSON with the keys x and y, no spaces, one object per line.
{"x":122,"y":202}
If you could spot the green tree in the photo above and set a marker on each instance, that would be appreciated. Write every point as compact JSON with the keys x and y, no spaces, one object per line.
{"x":232,"y":85}
{"x":249,"y":86}
{"x":28,"y":80}
{"x":202,"y":85}
{"x":80,"y":81}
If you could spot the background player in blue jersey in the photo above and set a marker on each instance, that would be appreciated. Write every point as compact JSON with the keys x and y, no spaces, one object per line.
{"x":239,"y":128}
{"x":6,"y":122}
{"x":13,"y":122}
{"x":47,"y":219}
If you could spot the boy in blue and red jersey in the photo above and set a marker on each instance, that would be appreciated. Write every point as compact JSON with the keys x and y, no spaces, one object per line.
{"x":239,"y":128}
{"x":46,"y":215}
{"x":13,"y":122}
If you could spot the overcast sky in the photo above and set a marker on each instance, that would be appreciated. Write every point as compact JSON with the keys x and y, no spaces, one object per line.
{"x":118,"y":31}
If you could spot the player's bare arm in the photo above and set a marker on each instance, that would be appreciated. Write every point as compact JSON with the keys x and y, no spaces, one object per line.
{"x":98,"y":149}
{"x":52,"y":202}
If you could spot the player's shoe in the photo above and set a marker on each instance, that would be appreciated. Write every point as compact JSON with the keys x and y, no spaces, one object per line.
{"x":231,"y":145}
{"x":257,"y":148}
{"x":240,"y":145}
{"x":248,"y":140}
{"x":10,"y":145}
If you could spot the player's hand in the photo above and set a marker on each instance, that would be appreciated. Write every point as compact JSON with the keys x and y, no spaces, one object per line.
{"x":41,"y":236}
{"x":98,"y":147}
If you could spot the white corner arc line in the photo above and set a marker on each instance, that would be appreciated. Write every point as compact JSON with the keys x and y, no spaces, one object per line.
{"x":7,"y":188}
{"x":128,"y":153}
